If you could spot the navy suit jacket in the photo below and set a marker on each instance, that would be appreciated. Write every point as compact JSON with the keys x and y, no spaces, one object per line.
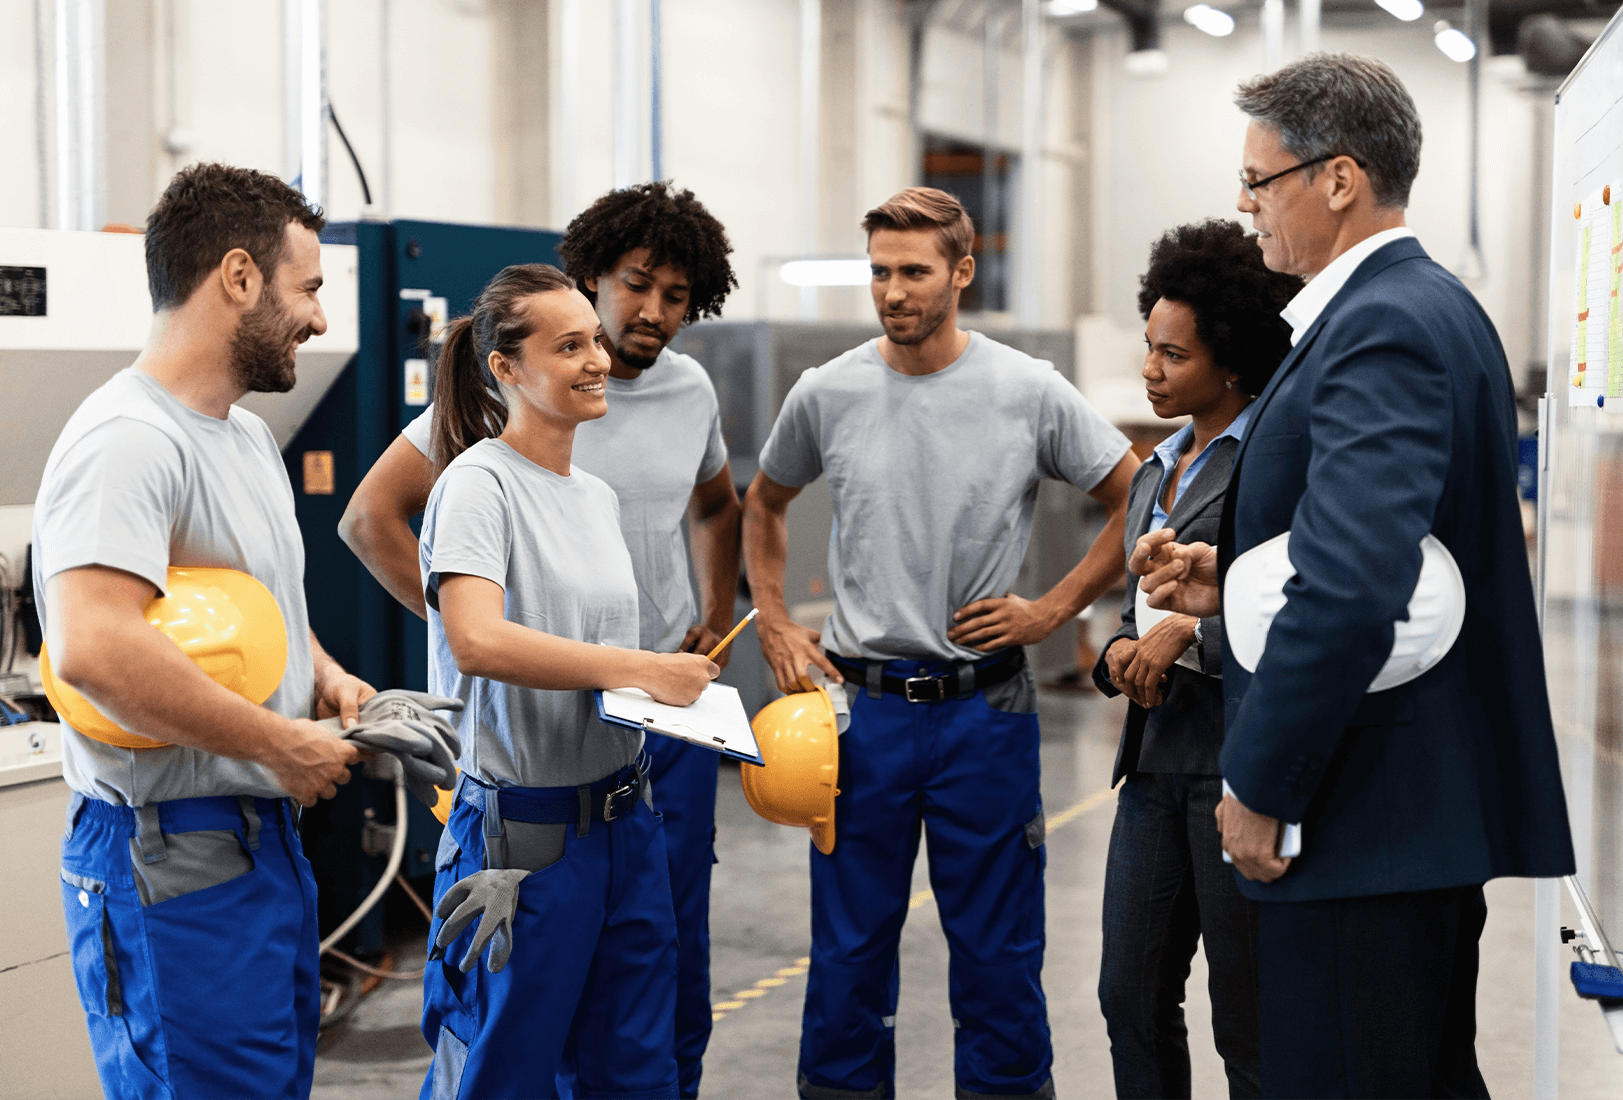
{"x":1392,"y":418}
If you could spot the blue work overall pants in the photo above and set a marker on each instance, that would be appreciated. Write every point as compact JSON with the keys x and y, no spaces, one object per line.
{"x":590,"y":990}
{"x":192,"y":925}
{"x":968,"y":775}
{"x":684,"y":781}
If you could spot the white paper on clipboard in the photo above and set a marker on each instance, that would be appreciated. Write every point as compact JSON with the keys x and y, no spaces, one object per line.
{"x":716,"y":720}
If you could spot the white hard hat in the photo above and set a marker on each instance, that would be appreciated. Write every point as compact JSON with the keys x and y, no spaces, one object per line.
{"x":1254,"y":591}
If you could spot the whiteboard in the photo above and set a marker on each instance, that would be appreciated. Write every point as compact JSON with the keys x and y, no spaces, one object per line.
{"x":1580,"y":545}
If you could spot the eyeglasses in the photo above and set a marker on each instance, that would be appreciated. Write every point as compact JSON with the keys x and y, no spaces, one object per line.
{"x":1252,"y":186}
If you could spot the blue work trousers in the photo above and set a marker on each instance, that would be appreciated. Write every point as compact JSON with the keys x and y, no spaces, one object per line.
{"x":193,"y":930}
{"x":590,"y":989}
{"x":684,"y":781}
{"x":968,"y":774}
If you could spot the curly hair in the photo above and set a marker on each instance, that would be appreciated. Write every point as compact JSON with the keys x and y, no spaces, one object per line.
{"x":672,"y":224}
{"x":1215,"y":268}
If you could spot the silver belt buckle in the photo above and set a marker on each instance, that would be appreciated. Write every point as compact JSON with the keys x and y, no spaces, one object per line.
{"x":934,"y":681}
{"x":609,"y":810}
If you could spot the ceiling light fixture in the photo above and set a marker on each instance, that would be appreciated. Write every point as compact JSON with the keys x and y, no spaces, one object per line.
{"x":1071,"y":7}
{"x":1406,"y":10}
{"x":1453,"y":42}
{"x":1214,"y":21}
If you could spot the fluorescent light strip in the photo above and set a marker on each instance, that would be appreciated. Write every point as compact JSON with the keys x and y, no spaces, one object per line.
{"x":826,"y":273}
{"x":1406,"y":10}
{"x":1455,"y":45}
{"x":1214,"y":21}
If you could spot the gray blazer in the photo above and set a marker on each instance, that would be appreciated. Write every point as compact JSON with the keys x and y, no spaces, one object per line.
{"x":1185,"y":732}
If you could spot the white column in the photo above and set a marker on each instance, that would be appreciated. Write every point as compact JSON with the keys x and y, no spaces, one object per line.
{"x":1273,"y":33}
{"x":627,"y":103}
{"x":81,"y":135}
{"x":568,"y":55}
{"x":811,"y":92}
{"x":1310,"y":26}
{"x":1028,"y":241}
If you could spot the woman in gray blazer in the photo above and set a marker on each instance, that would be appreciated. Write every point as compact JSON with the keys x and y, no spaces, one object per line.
{"x":1213,"y":338}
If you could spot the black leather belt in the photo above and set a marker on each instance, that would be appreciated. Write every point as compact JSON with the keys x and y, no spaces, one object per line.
{"x":605,"y":800}
{"x":964,"y":680}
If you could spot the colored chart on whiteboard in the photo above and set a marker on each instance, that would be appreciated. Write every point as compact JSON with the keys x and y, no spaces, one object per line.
{"x":1595,"y":371}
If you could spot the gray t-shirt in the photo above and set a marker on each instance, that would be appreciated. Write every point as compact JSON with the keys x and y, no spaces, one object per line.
{"x":933,"y":480}
{"x":140,"y":482}
{"x":660,"y":438}
{"x":553,"y":543}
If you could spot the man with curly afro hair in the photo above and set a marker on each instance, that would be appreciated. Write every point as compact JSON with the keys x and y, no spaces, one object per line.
{"x":650,"y":258}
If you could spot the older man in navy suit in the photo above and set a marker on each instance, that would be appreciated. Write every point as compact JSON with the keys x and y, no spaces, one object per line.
{"x":1391,"y":419}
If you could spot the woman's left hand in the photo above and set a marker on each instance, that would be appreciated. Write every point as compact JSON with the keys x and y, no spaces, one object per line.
{"x":1157,"y":651}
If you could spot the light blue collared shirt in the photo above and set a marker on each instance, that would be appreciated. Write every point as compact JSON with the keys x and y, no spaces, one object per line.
{"x":1171,"y":449}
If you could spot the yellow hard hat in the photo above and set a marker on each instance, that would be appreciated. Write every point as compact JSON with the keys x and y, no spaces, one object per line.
{"x":798,"y":737}
{"x":224,"y":620}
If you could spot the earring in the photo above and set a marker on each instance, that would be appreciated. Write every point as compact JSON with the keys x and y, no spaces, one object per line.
{"x":1229,"y":384}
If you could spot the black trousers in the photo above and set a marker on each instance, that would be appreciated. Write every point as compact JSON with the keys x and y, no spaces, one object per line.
{"x":1371,"y":997}
{"x":1166,"y":888}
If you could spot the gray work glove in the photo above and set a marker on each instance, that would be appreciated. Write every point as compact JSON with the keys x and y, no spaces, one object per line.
{"x":492,"y":897}
{"x":403,"y":724}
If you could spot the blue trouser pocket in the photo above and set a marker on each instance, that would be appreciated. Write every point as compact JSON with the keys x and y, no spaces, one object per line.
{"x":589,"y":991}
{"x":196,"y":957}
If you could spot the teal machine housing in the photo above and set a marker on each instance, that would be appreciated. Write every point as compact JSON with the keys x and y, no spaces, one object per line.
{"x":401,"y":263}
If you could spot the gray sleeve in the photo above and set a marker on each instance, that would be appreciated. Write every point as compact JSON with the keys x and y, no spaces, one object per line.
{"x":792,"y":456}
{"x":420,"y":432}
{"x":1074,"y":442}
{"x":111,"y":500}
{"x":466,"y":530}
{"x":715,"y":447}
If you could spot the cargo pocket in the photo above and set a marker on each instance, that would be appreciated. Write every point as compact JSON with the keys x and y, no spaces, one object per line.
{"x":450,"y":1056}
{"x":90,"y":939}
{"x":527,"y":846}
{"x":191,"y":862}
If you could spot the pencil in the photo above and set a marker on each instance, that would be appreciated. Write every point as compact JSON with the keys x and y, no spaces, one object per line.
{"x":733,"y":633}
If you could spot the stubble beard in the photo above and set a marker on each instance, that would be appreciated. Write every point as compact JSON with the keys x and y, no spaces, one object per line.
{"x":262,"y":348}
{"x":929,"y":319}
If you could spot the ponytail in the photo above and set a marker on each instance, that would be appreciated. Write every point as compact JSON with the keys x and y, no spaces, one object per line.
{"x":468,"y":404}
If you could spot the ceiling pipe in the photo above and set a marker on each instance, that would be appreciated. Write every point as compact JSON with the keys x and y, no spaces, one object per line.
{"x":304,"y":97}
{"x":1472,"y":265}
{"x":811,"y":93}
{"x":81,"y":126}
{"x":1029,"y":240}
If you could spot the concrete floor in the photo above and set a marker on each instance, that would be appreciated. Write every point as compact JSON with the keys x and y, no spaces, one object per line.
{"x":761,"y":930}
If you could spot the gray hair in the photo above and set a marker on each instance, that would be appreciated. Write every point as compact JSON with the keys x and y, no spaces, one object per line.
{"x":1340,"y":104}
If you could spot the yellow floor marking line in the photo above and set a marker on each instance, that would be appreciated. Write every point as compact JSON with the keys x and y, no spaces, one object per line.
{"x":918,"y":900}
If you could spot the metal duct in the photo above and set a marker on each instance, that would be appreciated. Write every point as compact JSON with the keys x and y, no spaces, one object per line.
{"x":1143,"y":21}
{"x":1550,"y":46}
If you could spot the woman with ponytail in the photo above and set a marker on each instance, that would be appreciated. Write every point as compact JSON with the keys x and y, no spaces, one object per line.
{"x":552,"y":845}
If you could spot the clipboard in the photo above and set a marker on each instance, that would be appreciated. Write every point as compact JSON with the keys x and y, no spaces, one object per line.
{"x":715,"y":721}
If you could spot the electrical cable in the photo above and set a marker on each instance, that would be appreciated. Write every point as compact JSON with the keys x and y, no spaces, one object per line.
{"x":366,"y":192}
{"x":396,"y":852}
{"x":393,"y":975}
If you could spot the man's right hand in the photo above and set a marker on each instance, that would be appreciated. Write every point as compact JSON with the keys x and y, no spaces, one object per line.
{"x":677,"y":679}
{"x":311,"y":762}
{"x":1177,"y":577}
{"x":788,"y":648}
